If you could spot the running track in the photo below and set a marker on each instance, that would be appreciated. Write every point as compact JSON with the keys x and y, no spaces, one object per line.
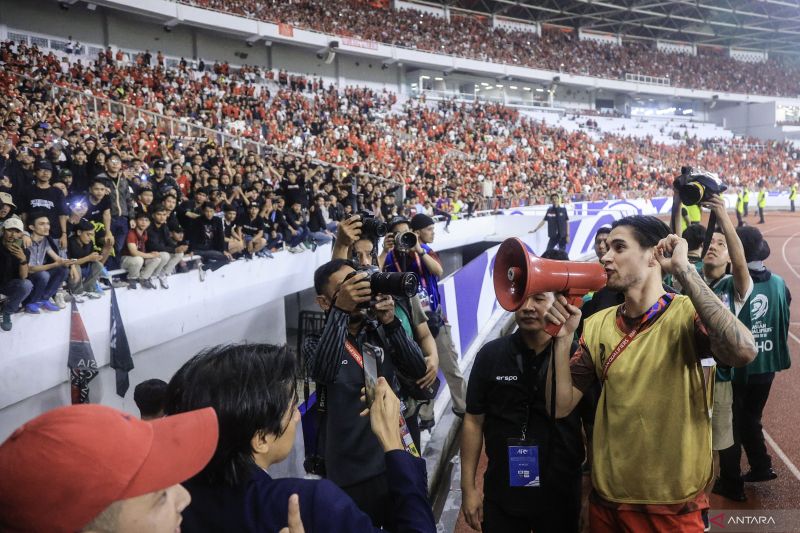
{"x":782,"y":413}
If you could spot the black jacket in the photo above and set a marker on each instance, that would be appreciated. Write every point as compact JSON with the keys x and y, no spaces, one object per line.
{"x":316,"y":222}
{"x":159,"y":239}
{"x":207,"y":234}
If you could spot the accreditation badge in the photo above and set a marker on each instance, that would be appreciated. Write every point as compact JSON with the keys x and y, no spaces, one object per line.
{"x":523,"y":463}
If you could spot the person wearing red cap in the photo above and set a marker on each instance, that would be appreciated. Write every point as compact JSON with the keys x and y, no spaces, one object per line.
{"x":93,"y":468}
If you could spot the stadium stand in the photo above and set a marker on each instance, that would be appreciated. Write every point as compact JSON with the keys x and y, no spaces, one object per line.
{"x":471,"y":36}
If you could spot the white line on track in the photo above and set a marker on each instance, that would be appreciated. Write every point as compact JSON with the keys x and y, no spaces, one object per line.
{"x":783,"y":253}
{"x":789,"y":464}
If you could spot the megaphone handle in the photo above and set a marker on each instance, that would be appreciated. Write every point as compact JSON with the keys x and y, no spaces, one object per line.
{"x":575,"y":299}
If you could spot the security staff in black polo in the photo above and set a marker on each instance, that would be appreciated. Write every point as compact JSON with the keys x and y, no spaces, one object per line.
{"x":533,"y":478}
{"x":557,"y":224}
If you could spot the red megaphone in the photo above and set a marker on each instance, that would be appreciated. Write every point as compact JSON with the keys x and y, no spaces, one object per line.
{"x":518,"y":274}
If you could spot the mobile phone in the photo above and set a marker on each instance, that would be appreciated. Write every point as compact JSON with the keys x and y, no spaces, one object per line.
{"x":370,"y":372}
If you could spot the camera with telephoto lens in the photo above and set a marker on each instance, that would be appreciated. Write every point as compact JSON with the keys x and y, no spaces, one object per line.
{"x":371,"y":228}
{"x":405,"y":242}
{"x":397,"y":284}
{"x":698,"y":185}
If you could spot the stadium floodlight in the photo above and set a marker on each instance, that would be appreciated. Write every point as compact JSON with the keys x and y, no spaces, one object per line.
{"x":437,"y":78}
{"x":513,"y":87}
{"x":91,"y":7}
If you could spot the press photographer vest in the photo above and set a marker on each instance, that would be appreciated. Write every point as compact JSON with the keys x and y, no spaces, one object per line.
{"x":768,"y":320}
{"x":652,"y":432}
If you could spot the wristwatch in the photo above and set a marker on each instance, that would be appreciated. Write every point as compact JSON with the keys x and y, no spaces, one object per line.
{"x":23,"y":263}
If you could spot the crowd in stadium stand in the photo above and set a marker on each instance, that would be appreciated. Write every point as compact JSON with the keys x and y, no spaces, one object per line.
{"x":221,"y":202}
{"x":472,"y":36}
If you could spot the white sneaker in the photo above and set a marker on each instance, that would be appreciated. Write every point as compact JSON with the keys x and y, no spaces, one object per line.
{"x":200,"y":271}
{"x":59,"y":299}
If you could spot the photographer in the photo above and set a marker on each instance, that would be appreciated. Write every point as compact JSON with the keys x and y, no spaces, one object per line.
{"x":422,"y":261}
{"x":350,"y":244}
{"x":353,"y":457}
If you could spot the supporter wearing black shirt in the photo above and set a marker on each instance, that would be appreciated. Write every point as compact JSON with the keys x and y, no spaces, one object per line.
{"x":162,"y":183}
{"x":506,"y":400}
{"x":207,"y":239}
{"x":43,"y":199}
{"x":189,"y":210}
{"x":86,"y":271}
{"x":293,"y":190}
{"x":253,"y":229}
{"x":98,"y":211}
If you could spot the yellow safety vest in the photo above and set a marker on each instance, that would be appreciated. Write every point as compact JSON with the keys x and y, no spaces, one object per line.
{"x":793,"y":192}
{"x":739,"y":203}
{"x":762,"y":198}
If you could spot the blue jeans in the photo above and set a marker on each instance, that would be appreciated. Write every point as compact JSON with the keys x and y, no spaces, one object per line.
{"x":320,"y":237}
{"x":16,"y":290}
{"x":212,"y":259}
{"x":119,"y":229}
{"x":297,"y":240}
{"x":46,"y":283}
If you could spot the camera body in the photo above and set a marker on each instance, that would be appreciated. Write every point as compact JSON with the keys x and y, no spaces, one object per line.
{"x":698,"y":185}
{"x":397,"y":284}
{"x":371,"y":228}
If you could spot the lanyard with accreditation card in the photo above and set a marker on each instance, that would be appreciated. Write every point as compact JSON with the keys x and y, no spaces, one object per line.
{"x":370,"y":377}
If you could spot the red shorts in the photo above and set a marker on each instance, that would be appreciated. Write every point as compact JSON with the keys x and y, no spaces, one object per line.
{"x":608,"y":520}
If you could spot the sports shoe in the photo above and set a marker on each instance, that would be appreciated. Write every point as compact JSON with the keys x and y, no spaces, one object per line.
{"x":754,"y":477}
{"x":32,"y":309}
{"x":59,"y":300}
{"x":147,"y":283}
{"x":133,"y":284}
{"x":5,"y":321}
{"x":47,"y":305}
{"x":162,"y":280}
{"x":93,"y":295}
{"x":77,"y":297}
{"x":729,"y":490}
{"x":201,"y":271}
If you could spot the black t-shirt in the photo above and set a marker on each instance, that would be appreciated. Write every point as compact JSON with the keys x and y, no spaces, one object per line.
{"x":250,"y":227}
{"x":9,"y":265}
{"x":50,"y":202}
{"x":502,"y":392}
{"x":77,"y":250}
{"x":293,"y":192}
{"x":94,"y":212}
{"x":557,"y":218}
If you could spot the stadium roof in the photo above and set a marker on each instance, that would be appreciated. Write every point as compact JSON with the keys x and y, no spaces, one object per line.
{"x":767,"y":25}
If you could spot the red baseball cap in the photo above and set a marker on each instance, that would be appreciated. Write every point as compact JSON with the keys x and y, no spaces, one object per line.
{"x":63,"y":468}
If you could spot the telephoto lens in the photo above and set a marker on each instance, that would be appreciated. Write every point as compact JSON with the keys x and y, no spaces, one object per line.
{"x":399,"y":284}
{"x":405,"y":242}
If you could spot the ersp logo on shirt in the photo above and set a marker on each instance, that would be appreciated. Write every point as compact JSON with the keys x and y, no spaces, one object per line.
{"x":506,"y":378}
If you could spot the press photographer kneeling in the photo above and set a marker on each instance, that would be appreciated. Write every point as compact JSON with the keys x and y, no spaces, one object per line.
{"x":360,"y":327}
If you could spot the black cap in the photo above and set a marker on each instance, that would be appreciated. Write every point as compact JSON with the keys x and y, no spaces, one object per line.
{"x":421,"y":221}
{"x":65,"y":172}
{"x":755,"y":247}
{"x":396,"y":221}
{"x":43,"y":164}
{"x":160,"y":163}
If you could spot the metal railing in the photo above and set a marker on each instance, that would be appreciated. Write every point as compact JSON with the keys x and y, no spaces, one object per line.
{"x":650,"y":80}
